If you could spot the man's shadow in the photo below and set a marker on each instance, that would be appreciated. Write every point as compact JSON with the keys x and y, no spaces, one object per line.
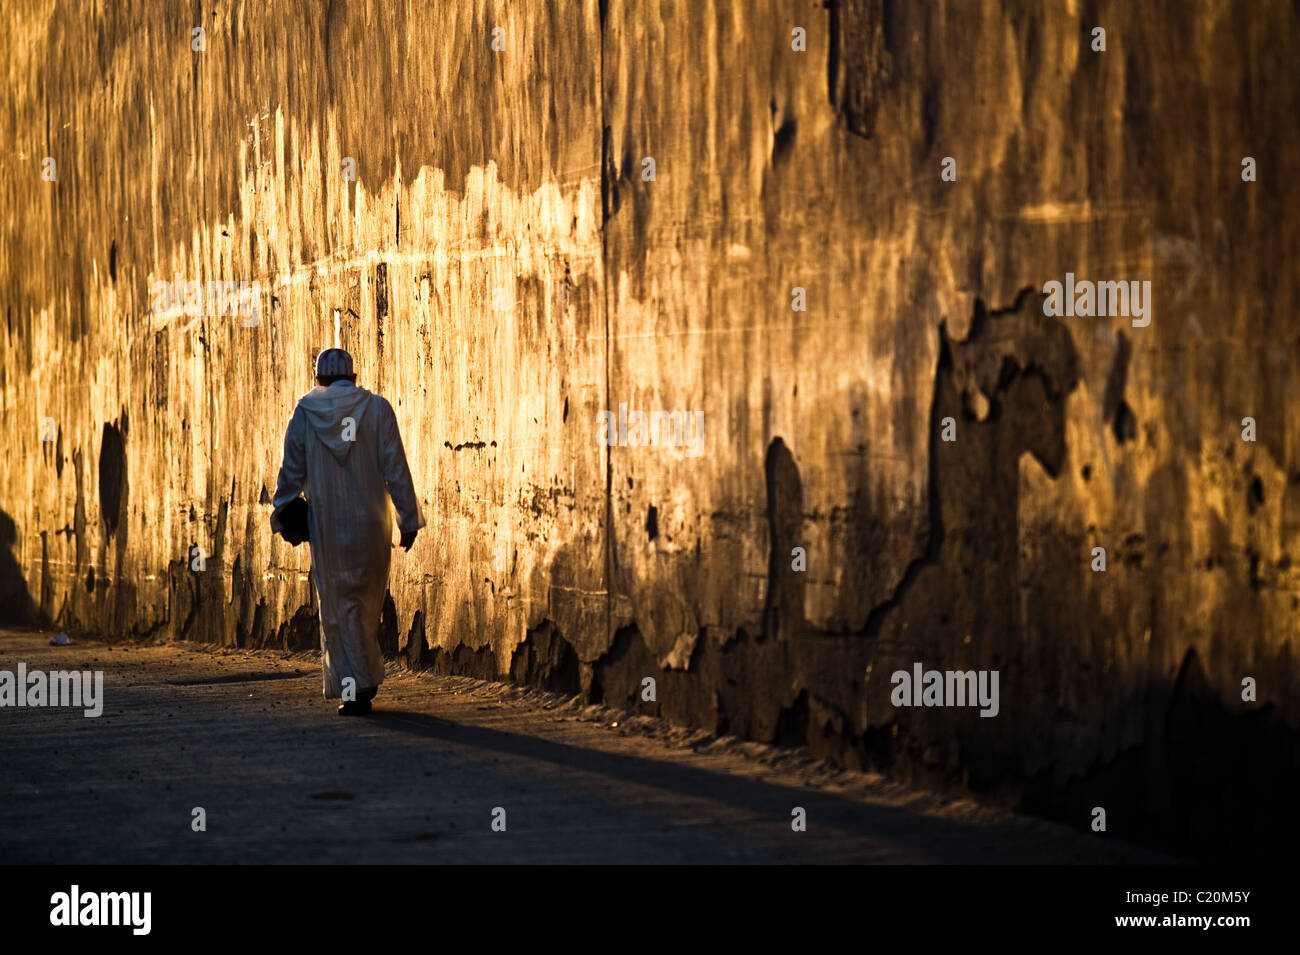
{"x":16,"y":605}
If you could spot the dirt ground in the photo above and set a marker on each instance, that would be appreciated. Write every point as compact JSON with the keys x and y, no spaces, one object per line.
{"x":246,"y":736}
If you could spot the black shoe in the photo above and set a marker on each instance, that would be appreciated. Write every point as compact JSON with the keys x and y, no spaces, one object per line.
{"x":367,"y":694}
{"x":355,"y":708}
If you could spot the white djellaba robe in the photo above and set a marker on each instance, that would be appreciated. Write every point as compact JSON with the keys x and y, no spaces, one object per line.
{"x":348,"y":470}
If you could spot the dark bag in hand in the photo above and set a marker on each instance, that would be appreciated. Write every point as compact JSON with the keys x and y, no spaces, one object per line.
{"x":293,"y":521}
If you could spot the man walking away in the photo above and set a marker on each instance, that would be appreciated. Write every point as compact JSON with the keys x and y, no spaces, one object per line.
{"x":342,"y":448}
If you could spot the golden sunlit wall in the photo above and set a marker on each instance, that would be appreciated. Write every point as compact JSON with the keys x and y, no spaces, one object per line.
{"x":819,"y":237}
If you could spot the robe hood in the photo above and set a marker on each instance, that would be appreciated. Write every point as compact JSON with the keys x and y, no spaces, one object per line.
{"x":325,"y":409}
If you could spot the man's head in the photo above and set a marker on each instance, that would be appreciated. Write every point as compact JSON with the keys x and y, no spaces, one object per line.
{"x":334,"y":364}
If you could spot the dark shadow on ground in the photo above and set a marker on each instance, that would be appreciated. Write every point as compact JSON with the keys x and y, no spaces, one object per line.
{"x":235,"y":678}
{"x":885,"y":823}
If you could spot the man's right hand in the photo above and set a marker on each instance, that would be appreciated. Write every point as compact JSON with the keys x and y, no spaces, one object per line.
{"x":408,"y":538}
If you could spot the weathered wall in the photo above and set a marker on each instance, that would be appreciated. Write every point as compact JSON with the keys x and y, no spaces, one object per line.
{"x":552,"y":559}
